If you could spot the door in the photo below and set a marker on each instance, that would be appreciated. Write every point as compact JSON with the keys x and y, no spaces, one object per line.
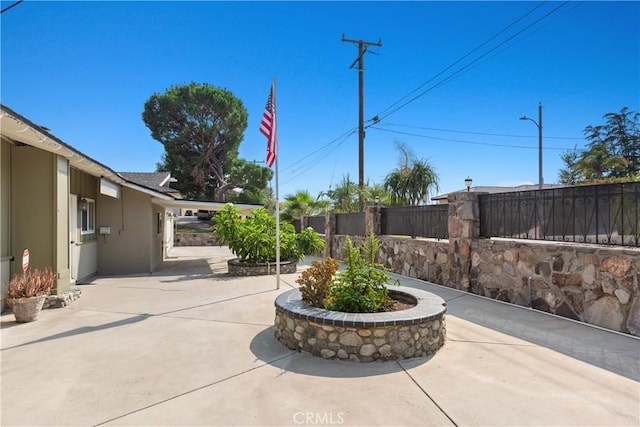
{"x":73,"y":236}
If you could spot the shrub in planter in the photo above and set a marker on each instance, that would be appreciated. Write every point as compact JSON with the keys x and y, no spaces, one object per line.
{"x":26,"y":293}
{"x":361,"y":287}
{"x":314,"y":281}
{"x":253,"y":238}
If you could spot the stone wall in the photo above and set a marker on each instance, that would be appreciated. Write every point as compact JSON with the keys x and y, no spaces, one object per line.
{"x":591,"y":283}
{"x":194,"y":239}
{"x":596,"y":284}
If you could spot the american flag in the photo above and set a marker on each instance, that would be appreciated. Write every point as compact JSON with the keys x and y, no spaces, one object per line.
{"x":268,"y":126}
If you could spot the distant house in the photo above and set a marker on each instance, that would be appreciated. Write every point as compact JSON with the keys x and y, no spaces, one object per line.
{"x":75,"y":214}
{"x":157,"y":181}
{"x":442,"y":199}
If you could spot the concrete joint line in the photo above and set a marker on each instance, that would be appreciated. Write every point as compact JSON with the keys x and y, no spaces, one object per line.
{"x":168,"y":399}
{"x":427,"y":394}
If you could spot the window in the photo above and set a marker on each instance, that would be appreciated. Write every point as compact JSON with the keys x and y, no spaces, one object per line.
{"x":87,"y":215}
{"x":159,"y":223}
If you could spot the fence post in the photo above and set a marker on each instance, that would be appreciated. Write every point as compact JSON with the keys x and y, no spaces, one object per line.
{"x":329,"y":231}
{"x":372,"y":220}
{"x":463,"y":227}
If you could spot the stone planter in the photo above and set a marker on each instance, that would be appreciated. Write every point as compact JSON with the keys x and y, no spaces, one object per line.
{"x":27,"y":309}
{"x":238,"y":268}
{"x":362,"y":337}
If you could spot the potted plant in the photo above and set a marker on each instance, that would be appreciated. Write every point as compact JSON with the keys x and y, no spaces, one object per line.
{"x":26,"y":293}
{"x":253,"y":240}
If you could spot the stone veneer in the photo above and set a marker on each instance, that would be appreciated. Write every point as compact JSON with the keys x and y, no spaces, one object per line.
{"x":596,"y":284}
{"x":362,"y":337}
{"x":63,"y":299}
{"x":194,"y":239}
{"x":237,"y":268}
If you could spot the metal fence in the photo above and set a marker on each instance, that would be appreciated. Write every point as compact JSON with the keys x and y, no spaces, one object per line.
{"x":605,"y":214}
{"x":317,"y":223}
{"x":351,"y":224}
{"x":416,"y":221}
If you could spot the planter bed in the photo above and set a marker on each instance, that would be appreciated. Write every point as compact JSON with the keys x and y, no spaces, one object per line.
{"x":362,"y":337}
{"x":237,"y":268}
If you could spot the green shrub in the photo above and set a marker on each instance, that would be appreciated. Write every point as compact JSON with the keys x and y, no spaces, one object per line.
{"x":361,"y":287}
{"x":314,"y":281}
{"x":253,"y":238}
{"x":309,"y":242}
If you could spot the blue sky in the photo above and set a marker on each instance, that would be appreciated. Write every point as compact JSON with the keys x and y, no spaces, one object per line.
{"x":85,"y":69}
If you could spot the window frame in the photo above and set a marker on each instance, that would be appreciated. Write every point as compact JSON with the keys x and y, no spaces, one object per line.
{"x":90,"y":213}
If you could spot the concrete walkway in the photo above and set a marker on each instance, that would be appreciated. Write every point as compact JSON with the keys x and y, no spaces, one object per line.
{"x":190,"y":345}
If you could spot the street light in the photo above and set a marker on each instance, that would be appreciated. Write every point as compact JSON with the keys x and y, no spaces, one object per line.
{"x":539,"y":126}
{"x":468,"y":183}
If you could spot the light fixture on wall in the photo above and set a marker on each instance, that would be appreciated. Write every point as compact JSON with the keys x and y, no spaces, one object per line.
{"x":83,"y":205}
{"x":468,"y":183}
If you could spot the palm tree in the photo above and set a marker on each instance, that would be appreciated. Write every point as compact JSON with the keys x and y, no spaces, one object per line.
{"x":412,"y":181}
{"x":301,"y":204}
{"x":345,"y":196}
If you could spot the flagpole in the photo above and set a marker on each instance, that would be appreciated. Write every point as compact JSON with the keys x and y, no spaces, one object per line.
{"x":277,"y":198}
{"x":269,"y":128}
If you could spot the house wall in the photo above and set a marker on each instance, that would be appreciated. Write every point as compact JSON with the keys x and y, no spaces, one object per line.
{"x":127,"y":249}
{"x":35,"y":209}
{"x":32,"y":209}
{"x":85,"y":185}
{"x":87,"y":259}
{"x":61,"y":224}
{"x":157,"y":236}
{"x":5,"y":219}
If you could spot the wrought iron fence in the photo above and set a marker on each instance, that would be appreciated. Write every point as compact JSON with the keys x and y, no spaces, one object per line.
{"x":416,"y":221}
{"x":605,"y":214}
{"x":351,"y":224}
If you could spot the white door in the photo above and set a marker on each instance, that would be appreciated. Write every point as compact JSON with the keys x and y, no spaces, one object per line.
{"x":73,"y":235}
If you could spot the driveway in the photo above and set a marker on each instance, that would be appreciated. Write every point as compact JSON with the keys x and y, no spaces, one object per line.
{"x":190,"y":345}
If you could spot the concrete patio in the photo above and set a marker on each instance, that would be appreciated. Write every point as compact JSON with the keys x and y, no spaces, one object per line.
{"x":190,"y":345}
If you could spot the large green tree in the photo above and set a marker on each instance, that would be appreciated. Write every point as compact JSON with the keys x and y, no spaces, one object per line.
{"x":200,"y":127}
{"x":613,"y":151}
{"x":412,"y":181}
{"x":250,"y":183}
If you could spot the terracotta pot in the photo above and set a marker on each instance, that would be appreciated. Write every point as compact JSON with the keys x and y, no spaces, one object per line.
{"x":27,"y":309}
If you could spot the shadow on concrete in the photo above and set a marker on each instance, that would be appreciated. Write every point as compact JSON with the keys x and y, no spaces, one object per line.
{"x":605,"y":349}
{"x":85,"y":330}
{"x":176,"y":267}
{"x":268,"y":349}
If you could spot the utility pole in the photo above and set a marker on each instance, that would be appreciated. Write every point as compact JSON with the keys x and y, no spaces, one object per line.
{"x":362,"y":49}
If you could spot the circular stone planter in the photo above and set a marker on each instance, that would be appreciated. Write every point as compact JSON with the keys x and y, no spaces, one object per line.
{"x":362,"y":337}
{"x":238,"y":268}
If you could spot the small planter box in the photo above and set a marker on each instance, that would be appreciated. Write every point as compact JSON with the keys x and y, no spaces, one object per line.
{"x":238,"y":268}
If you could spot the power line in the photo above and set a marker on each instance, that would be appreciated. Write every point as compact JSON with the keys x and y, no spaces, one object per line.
{"x":305,"y":166}
{"x":457,"y":73}
{"x":462,"y":58}
{"x":343,"y":136}
{"x":467,"y":142}
{"x":11,"y":6}
{"x":377,"y":119}
{"x":481,"y":133}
